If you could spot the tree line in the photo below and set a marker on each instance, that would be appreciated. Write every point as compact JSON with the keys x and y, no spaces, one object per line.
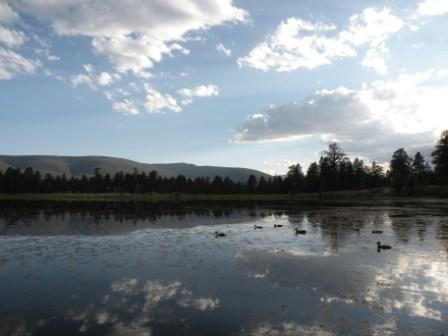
{"x":334,"y":171}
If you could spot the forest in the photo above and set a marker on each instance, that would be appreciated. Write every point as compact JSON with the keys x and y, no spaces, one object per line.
{"x":333,"y":172}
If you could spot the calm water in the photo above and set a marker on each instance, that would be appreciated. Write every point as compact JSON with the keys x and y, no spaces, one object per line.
{"x":133,"y":270}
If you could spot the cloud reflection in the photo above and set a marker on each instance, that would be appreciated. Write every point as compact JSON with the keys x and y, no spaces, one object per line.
{"x":413,"y":285}
{"x":140,"y":301}
{"x":283,"y":329}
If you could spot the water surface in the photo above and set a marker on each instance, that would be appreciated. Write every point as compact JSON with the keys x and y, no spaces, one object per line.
{"x":136,"y":270}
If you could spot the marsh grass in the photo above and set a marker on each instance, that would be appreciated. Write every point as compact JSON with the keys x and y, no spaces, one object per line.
{"x":378,"y":197}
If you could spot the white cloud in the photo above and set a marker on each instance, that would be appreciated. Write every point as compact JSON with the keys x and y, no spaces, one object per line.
{"x":432,"y":7}
{"x":88,"y":68}
{"x":45,"y":52}
{"x":299,"y":44}
{"x":157,"y":102}
{"x":6,"y":13}
{"x":199,"y":91}
{"x":371,"y":121}
{"x":79,"y":79}
{"x":105,"y":79}
{"x":11,"y":38}
{"x":374,"y":59}
{"x":134,"y":53}
{"x":371,"y":27}
{"x":91,"y":78}
{"x":126,"y":106}
{"x":13,"y":64}
{"x":223,"y":50}
{"x":133,"y":34}
{"x":295,"y":45}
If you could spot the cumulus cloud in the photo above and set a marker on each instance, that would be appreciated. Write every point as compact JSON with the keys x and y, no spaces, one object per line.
{"x":156,"y":102}
{"x":299,"y":44}
{"x":133,"y":39}
{"x":46,"y":53}
{"x":375,"y":60}
{"x":11,"y":37}
{"x":13,"y":64}
{"x":126,"y":106}
{"x":79,"y":79}
{"x":198,"y":91}
{"x":372,"y":121}
{"x":223,"y":50}
{"x":432,"y":7}
{"x":91,"y":78}
{"x":6,"y":13}
{"x":105,"y":79}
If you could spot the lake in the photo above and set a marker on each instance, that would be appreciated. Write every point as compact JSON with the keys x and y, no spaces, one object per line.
{"x":135,"y":269}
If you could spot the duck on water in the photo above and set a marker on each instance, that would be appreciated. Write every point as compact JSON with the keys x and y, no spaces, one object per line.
{"x":380,"y":247}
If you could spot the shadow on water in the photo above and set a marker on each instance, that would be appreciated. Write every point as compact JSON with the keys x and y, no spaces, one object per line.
{"x":134,"y":269}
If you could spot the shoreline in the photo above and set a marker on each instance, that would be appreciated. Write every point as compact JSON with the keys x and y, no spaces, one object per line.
{"x":344,"y":198}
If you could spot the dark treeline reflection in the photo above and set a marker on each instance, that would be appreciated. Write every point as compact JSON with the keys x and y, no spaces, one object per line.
{"x":85,"y":217}
{"x":334,"y":171}
{"x":337,"y":225}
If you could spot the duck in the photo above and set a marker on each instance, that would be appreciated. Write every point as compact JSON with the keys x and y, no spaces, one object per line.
{"x":302,"y":232}
{"x":219,"y":234}
{"x":382,"y":247}
{"x":257,"y":227}
{"x":377,"y":231}
{"x":277,"y":226}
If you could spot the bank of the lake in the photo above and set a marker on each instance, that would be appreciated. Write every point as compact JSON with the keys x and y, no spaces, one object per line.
{"x":338,"y":198}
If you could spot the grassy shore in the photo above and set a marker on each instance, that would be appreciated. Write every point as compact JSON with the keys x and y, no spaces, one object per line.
{"x":363,"y":197}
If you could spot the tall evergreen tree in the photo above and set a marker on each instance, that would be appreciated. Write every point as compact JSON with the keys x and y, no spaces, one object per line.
{"x":251,"y":184}
{"x":333,"y":157}
{"x":400,"y":168}
{"x":440,"y":158}
{"x":312,"y":180}
{"x":295,"y":178}
{"x":418,"y":164}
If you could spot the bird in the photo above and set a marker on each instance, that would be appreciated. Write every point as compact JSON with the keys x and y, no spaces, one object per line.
{"x":377,"y":231}
{"x":300,"y":232}
{"x":219,"y":234}
{"x":257,"y":227}
{"x":382,"y":247}
{"x":277,"y":226}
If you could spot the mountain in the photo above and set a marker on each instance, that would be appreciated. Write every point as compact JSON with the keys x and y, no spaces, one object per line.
{"x":79,"y":165}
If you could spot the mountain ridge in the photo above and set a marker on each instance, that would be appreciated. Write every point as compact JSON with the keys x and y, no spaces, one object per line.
{"x":86,"y":165}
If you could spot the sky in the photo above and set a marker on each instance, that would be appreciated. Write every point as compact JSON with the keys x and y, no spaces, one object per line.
{"x":246,"y":83}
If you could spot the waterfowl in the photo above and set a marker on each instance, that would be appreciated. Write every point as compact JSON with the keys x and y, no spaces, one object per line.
{"x":257,"y":227}
{"x":377,"y":231}
{"x":300,"y":232}
{"x":277,"y":226}
{"x":383,"y":247}
{"x":219,"y":234}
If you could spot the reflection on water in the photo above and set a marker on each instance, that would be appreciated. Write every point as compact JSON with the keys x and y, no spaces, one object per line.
{"x":136,"y":270}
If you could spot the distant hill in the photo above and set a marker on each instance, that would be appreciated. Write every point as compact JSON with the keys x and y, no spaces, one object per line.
{"x":79,"y":165}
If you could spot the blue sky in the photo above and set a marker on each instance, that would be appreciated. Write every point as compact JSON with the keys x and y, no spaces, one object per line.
{"x":258,"y":84}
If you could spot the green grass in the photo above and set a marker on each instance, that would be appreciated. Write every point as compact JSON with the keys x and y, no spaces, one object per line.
{"x":362,"y":197}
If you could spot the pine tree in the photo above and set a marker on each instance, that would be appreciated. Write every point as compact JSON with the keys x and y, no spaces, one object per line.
{"x":400,"y":166}
{"x":440,"y":158}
